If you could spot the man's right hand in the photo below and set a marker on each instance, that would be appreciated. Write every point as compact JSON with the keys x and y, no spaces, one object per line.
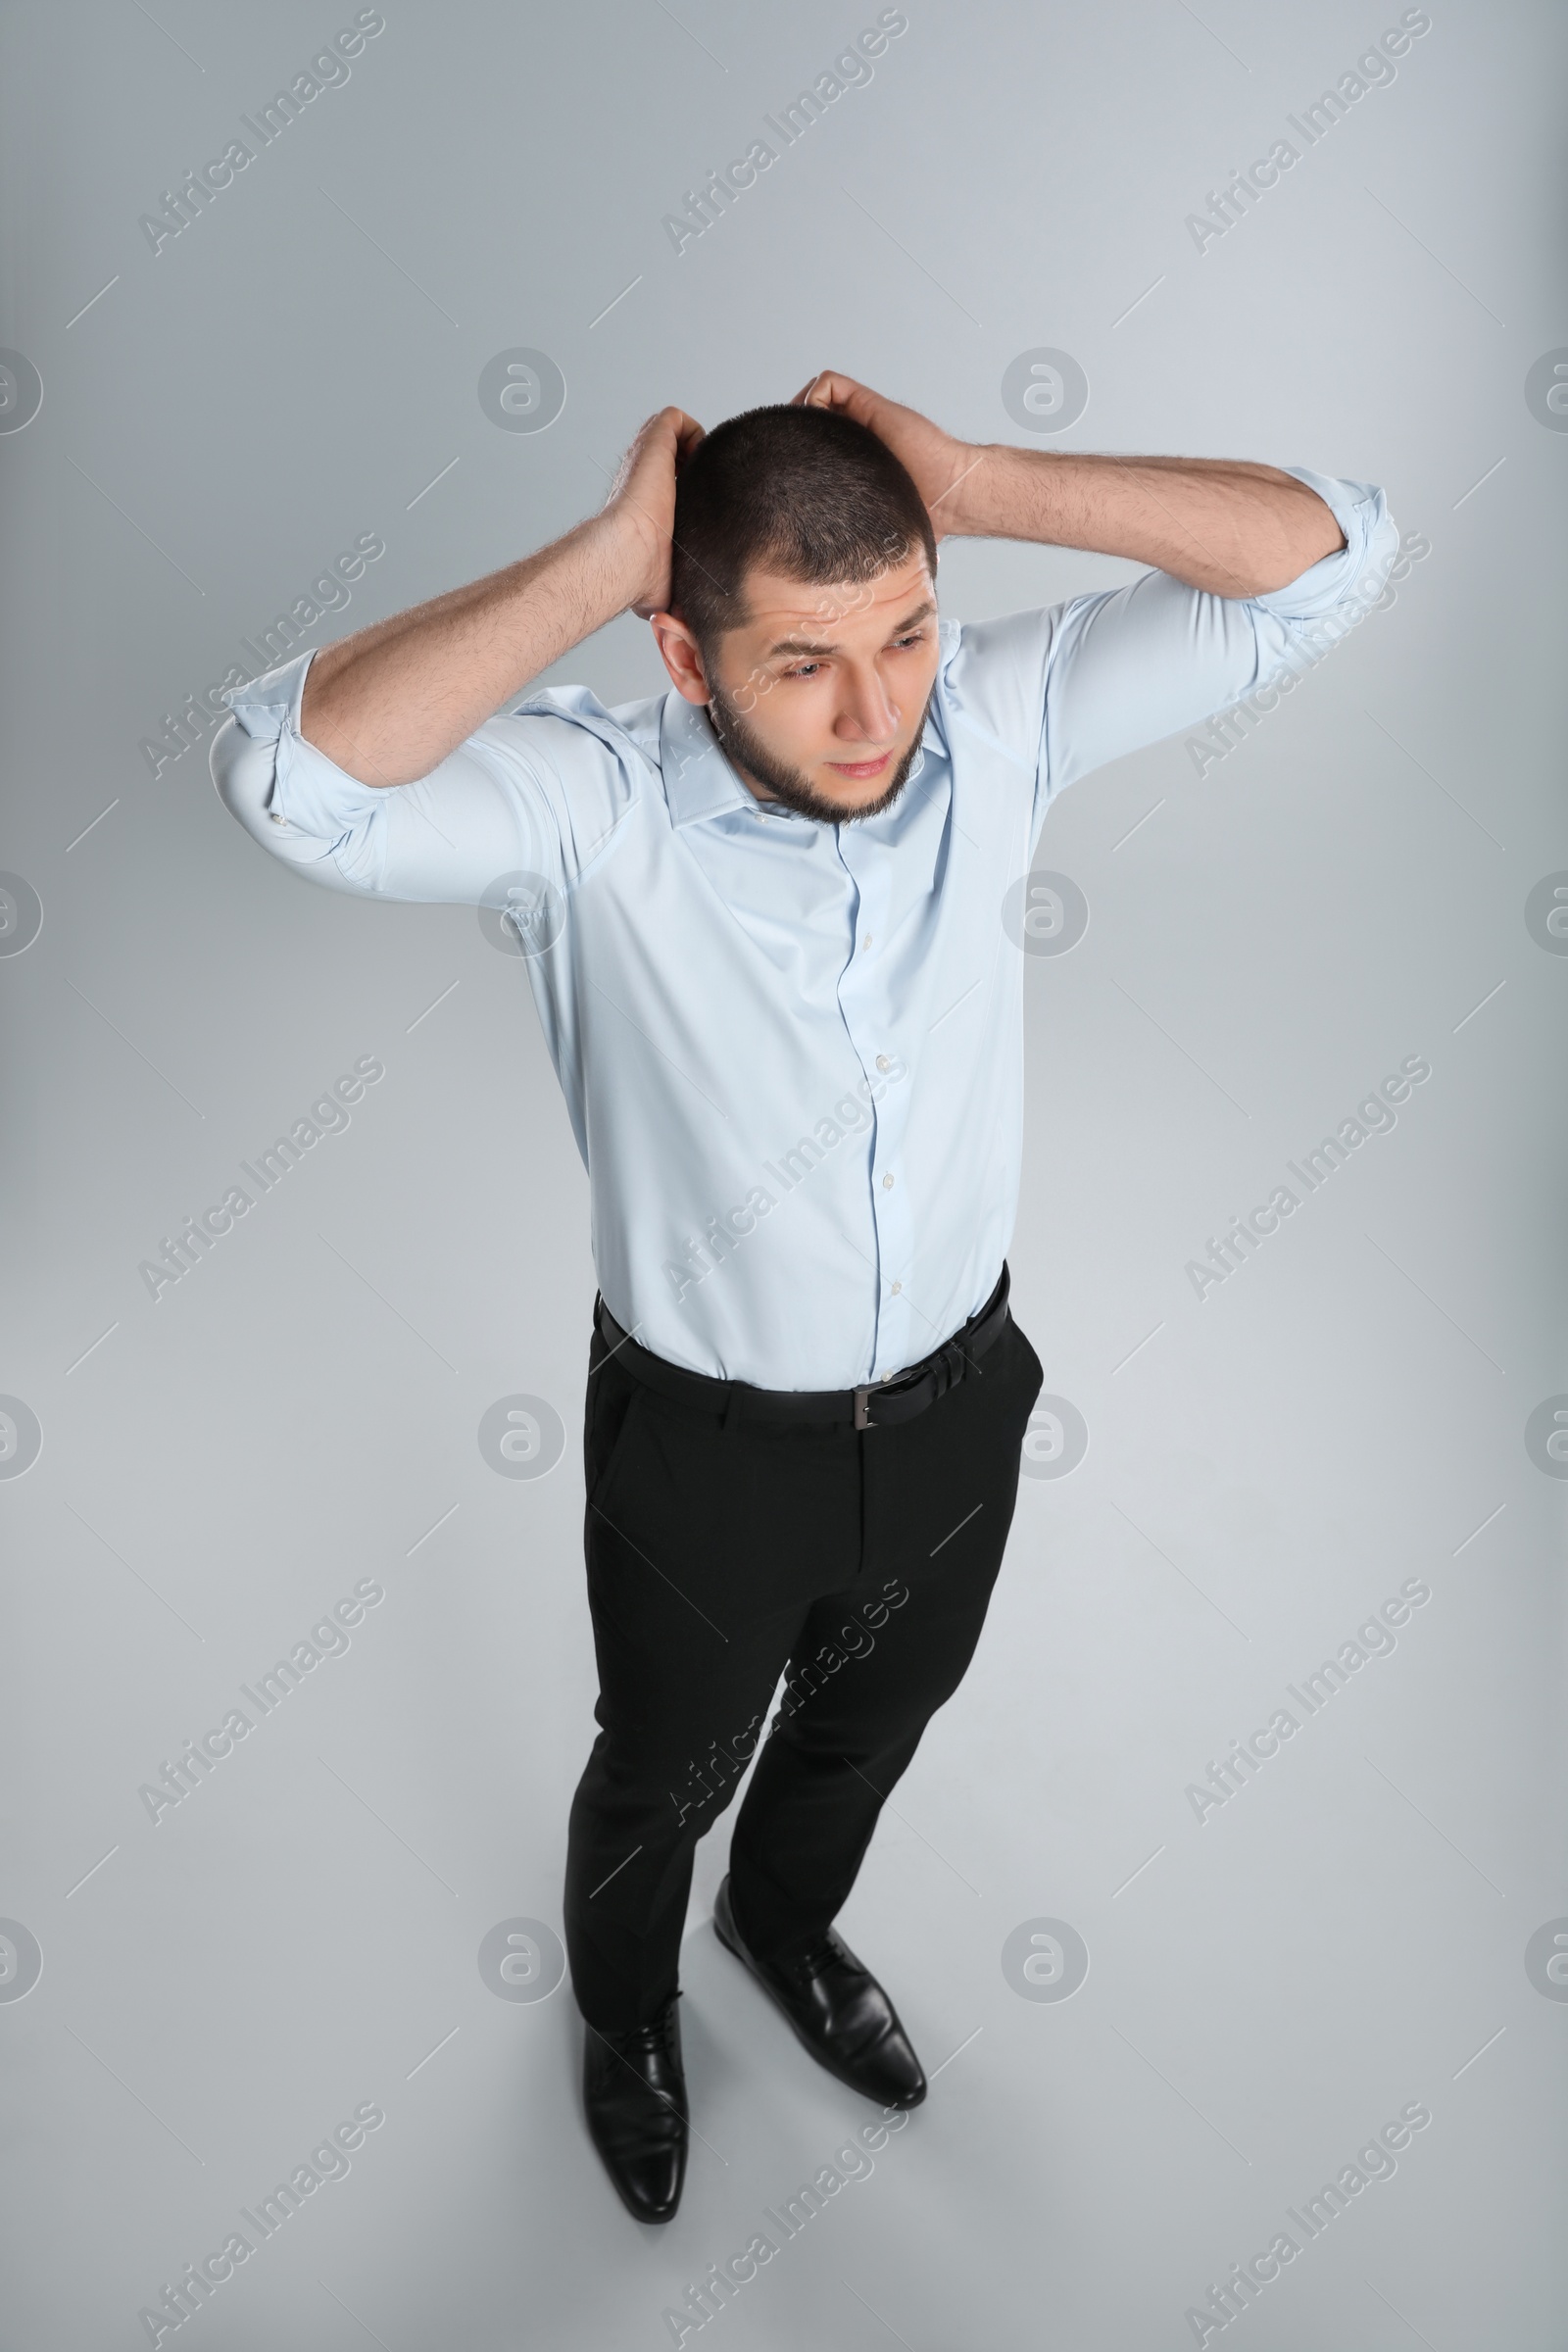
{"x":643,"y":496}
{"x":388,"y":704}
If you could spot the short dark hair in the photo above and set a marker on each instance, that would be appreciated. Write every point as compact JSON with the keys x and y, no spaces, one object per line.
{"x":807,"y":492}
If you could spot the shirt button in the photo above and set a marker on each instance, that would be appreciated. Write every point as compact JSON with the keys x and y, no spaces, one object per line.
{"x":276,"y":818}
{"x":886,"y":1181}
{"x":882,"y":1062}
{"x":897,"y":1288}
{"x":867,"y":941}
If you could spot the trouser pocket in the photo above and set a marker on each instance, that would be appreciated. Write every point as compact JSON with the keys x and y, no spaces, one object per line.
{"x":612,"y":1408}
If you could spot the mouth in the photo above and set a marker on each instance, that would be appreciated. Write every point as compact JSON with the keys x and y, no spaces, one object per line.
{"x":858,"y":771}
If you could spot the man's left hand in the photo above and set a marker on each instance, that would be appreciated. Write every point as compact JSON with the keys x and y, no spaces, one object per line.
{"x":936,"y":461}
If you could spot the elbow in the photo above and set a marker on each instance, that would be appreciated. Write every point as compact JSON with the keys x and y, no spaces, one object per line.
{"x":244,"y":771}
{"x":1315,"y":535}
{"x":1306,"y":531}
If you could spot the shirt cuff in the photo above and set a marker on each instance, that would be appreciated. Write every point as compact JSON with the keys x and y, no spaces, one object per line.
{"x":310,"y":793}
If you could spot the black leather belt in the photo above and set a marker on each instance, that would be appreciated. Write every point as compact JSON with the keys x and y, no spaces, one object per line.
{"x":898,"y":1398}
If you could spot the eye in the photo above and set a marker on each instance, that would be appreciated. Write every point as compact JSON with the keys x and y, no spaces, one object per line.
{"x":916,"y":637}
{"x":804,"y":669}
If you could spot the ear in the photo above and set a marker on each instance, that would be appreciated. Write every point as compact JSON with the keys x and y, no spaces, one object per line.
{"x":682,"y":658}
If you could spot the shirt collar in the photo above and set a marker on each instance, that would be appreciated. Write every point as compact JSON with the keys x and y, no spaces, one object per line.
{"x":699,"y":782}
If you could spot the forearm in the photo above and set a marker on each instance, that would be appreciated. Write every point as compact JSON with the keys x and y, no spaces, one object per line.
{"x":389,"y":704}
{"x":1224,"y":524}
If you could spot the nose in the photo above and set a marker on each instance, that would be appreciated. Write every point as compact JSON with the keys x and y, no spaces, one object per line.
{"x":866,"y":715}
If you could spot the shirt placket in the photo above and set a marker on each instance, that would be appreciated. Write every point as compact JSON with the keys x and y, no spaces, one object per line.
{"x":869,"y":1016}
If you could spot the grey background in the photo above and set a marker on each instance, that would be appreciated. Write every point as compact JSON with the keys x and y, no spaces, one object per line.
{"x":220,"y":1467}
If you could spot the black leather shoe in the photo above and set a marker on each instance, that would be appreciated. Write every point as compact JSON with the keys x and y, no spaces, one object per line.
{"x":634,"y":2097}
{"x":838,"y":2009}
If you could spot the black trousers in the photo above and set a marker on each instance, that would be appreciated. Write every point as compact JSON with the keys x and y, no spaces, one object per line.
{"x":863,"y":1560}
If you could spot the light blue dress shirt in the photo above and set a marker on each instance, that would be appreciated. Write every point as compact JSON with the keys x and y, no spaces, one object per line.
{"x":792,"y":1052}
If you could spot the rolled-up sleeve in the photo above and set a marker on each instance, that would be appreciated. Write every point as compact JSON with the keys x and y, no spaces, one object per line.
{"x":1132,"y":665}
{"x":1084,"y":682}
{"x":498,"y":805}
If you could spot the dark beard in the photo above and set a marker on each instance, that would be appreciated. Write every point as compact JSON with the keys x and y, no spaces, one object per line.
{"x":745,"y":751}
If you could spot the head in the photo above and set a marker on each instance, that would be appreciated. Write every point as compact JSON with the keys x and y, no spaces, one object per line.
{"x":802,"y":607}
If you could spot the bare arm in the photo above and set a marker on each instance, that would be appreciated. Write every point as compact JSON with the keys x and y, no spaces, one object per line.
{"x":387,"y":705}
{"x":1224,"y":524}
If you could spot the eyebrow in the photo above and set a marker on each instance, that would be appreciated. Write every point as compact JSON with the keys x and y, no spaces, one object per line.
{"x":802,"y":645}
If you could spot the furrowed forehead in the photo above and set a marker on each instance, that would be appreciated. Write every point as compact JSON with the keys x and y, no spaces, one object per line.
{"x":820,"y":613}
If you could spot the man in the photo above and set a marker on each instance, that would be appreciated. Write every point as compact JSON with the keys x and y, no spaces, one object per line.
{"x":762,"y":921}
